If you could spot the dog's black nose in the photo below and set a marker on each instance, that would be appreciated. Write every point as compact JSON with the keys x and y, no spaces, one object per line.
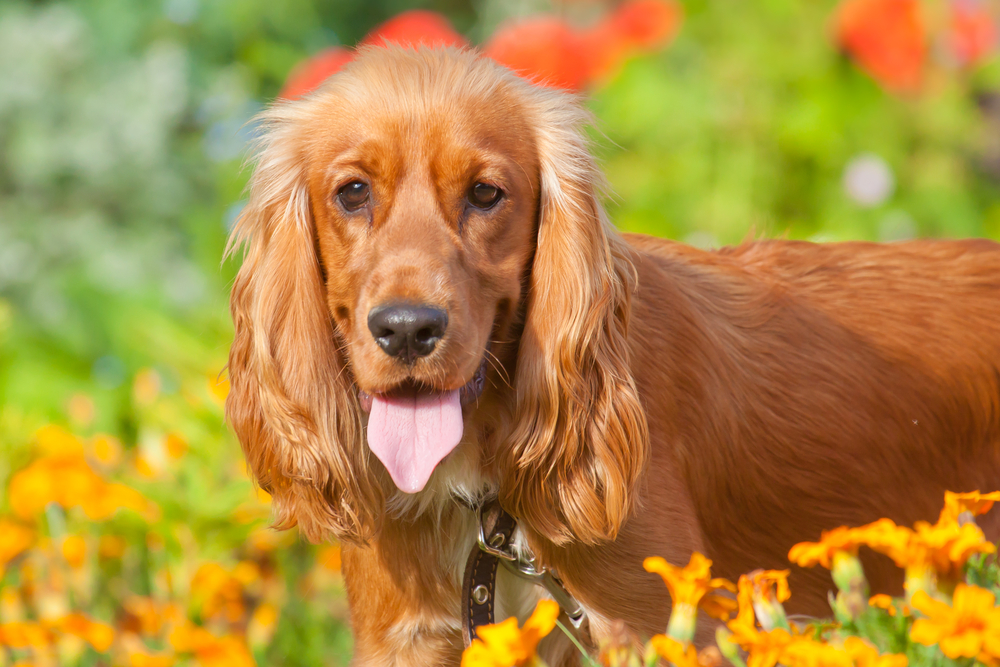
{"x":407,"y":331}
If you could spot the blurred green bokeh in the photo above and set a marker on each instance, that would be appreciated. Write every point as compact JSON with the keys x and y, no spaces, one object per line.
{"x":123,"y":125}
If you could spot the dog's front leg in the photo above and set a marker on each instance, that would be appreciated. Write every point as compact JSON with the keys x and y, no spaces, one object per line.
{"x":404,"y":605}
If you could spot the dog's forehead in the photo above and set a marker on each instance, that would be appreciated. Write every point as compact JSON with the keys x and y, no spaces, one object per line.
{"x":398,"y":103}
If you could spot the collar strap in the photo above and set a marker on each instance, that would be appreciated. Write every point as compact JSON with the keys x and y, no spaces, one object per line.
{"x":496,"y":531}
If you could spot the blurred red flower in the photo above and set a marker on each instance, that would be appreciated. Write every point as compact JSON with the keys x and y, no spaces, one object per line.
{"x":887,"y":38}
{"x":972,"y":34}
{"x":633,"y":26}
{"x":543,"y":49}
{"x":308,"y":75}
{"x":417,"y":27}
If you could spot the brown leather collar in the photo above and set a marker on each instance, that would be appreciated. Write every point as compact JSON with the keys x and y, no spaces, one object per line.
{"x":496,"y":530}
{"x":480,"y":581}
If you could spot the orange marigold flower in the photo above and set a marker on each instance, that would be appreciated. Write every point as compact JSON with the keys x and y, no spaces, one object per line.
{"x":97,"y":634}
{"x":210,"y":651}
{"x":505,"y":645}
{"x":882,"y":601}
{"x":106,"y":449}
{"x":25,"y":634}
{"x":692,"y":585}
{"x":943,"y":547}
{"x":56,"y":441}
{"x":805,"y":652}
{"x":74,"y":550}
{"x":967,"y":628}
{"x":262,"y":623}
{"x":67,"y":479}
{"x":679,"y":654}
{"x":864,"y":654}
{"x":843,"y":539}
{"x":764,"y":648}
{"x":974,"y":502}
{"x":771,"y":584}
{"x":219,"y":592}
{"x":140,"y":659}
{"x":16,"y":539}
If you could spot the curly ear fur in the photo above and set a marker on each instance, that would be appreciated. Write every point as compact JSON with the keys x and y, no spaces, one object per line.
{"x":579,"y":440}
{"x":290,"y":401}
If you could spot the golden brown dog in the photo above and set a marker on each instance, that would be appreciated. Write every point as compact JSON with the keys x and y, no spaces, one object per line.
{"x":433,"y":306}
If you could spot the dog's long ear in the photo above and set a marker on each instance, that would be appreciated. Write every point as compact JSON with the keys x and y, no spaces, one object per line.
{"x":579,"y":441}
{"x":289,"y":400}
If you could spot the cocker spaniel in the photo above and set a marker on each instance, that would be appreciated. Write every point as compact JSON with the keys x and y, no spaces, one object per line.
{"x":433,"y":308}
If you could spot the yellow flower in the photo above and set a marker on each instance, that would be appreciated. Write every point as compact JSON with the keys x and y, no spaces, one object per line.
{"x":927,"y":550}
{"x":882,"y":601}
{"x":106,"y":449}
{"x":74,"y":550}
{"x":146,"y":616}
{"x":967,"y":628}
{"x":176,"y":445}
{"x":504,"y":645}
{"x":25,"y":634}
{"x":808,"y":554}
{"x":97,"y":634}
{"x":764,"y":648}
{"x":219,"y":592}
{"x":975,"y":503}
{"x":16,"y":539}
{"x":771,"y":584}
{"x":68,"y":480}
{"x":210,"y":651}
{"x":690,"y":587}
{"x":56,"y":441}
{"x":805,"y":652}
{"x":262,"y":624}
{"x":673,"y":651}
{"x":140,"y":659}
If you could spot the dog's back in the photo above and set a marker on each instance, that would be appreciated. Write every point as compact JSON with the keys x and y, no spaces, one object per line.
{"x":798,"y":387}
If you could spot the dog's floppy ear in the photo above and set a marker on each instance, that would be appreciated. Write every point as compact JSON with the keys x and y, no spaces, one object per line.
{"x":579,"y":440}
{"x":289,"y":401}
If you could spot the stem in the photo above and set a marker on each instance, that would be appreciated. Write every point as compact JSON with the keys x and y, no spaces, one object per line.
{"x":577,"y":644}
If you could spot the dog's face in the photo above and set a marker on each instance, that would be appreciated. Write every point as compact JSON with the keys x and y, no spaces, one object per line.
{"x":424,"y":226}
{"x":425,"y":209}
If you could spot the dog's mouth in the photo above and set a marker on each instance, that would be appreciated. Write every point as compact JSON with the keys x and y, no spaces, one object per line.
{"x":413,"y":427}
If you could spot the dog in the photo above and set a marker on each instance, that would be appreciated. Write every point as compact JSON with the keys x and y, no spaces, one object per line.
{"x":433,"y":307}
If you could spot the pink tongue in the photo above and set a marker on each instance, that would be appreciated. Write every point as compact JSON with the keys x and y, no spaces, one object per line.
{"x":410,"y":435}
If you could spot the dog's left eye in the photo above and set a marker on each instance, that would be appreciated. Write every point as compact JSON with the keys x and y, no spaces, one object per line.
{"x":484,"y":195}
{"x":354,"y":195}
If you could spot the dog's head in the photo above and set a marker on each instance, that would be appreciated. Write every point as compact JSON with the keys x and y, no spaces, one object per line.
{"x":429,"y":277}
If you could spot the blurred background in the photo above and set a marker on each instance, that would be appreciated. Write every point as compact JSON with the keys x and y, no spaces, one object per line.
{"x":130,"y":533}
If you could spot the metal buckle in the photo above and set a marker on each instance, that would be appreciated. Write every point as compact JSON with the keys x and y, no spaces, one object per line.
{"x":523,"y":566}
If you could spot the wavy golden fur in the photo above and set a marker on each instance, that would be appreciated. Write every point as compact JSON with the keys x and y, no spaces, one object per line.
{"x":642,"y":398}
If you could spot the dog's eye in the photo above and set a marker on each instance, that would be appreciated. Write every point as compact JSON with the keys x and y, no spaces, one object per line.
{"x":484,"y":195}
{"x":354,"y":195}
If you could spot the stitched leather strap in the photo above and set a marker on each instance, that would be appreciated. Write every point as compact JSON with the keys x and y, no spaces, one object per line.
{"x":480,"y":581}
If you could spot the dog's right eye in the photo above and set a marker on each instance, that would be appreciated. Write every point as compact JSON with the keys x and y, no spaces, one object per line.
{"x":354,"y":195}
